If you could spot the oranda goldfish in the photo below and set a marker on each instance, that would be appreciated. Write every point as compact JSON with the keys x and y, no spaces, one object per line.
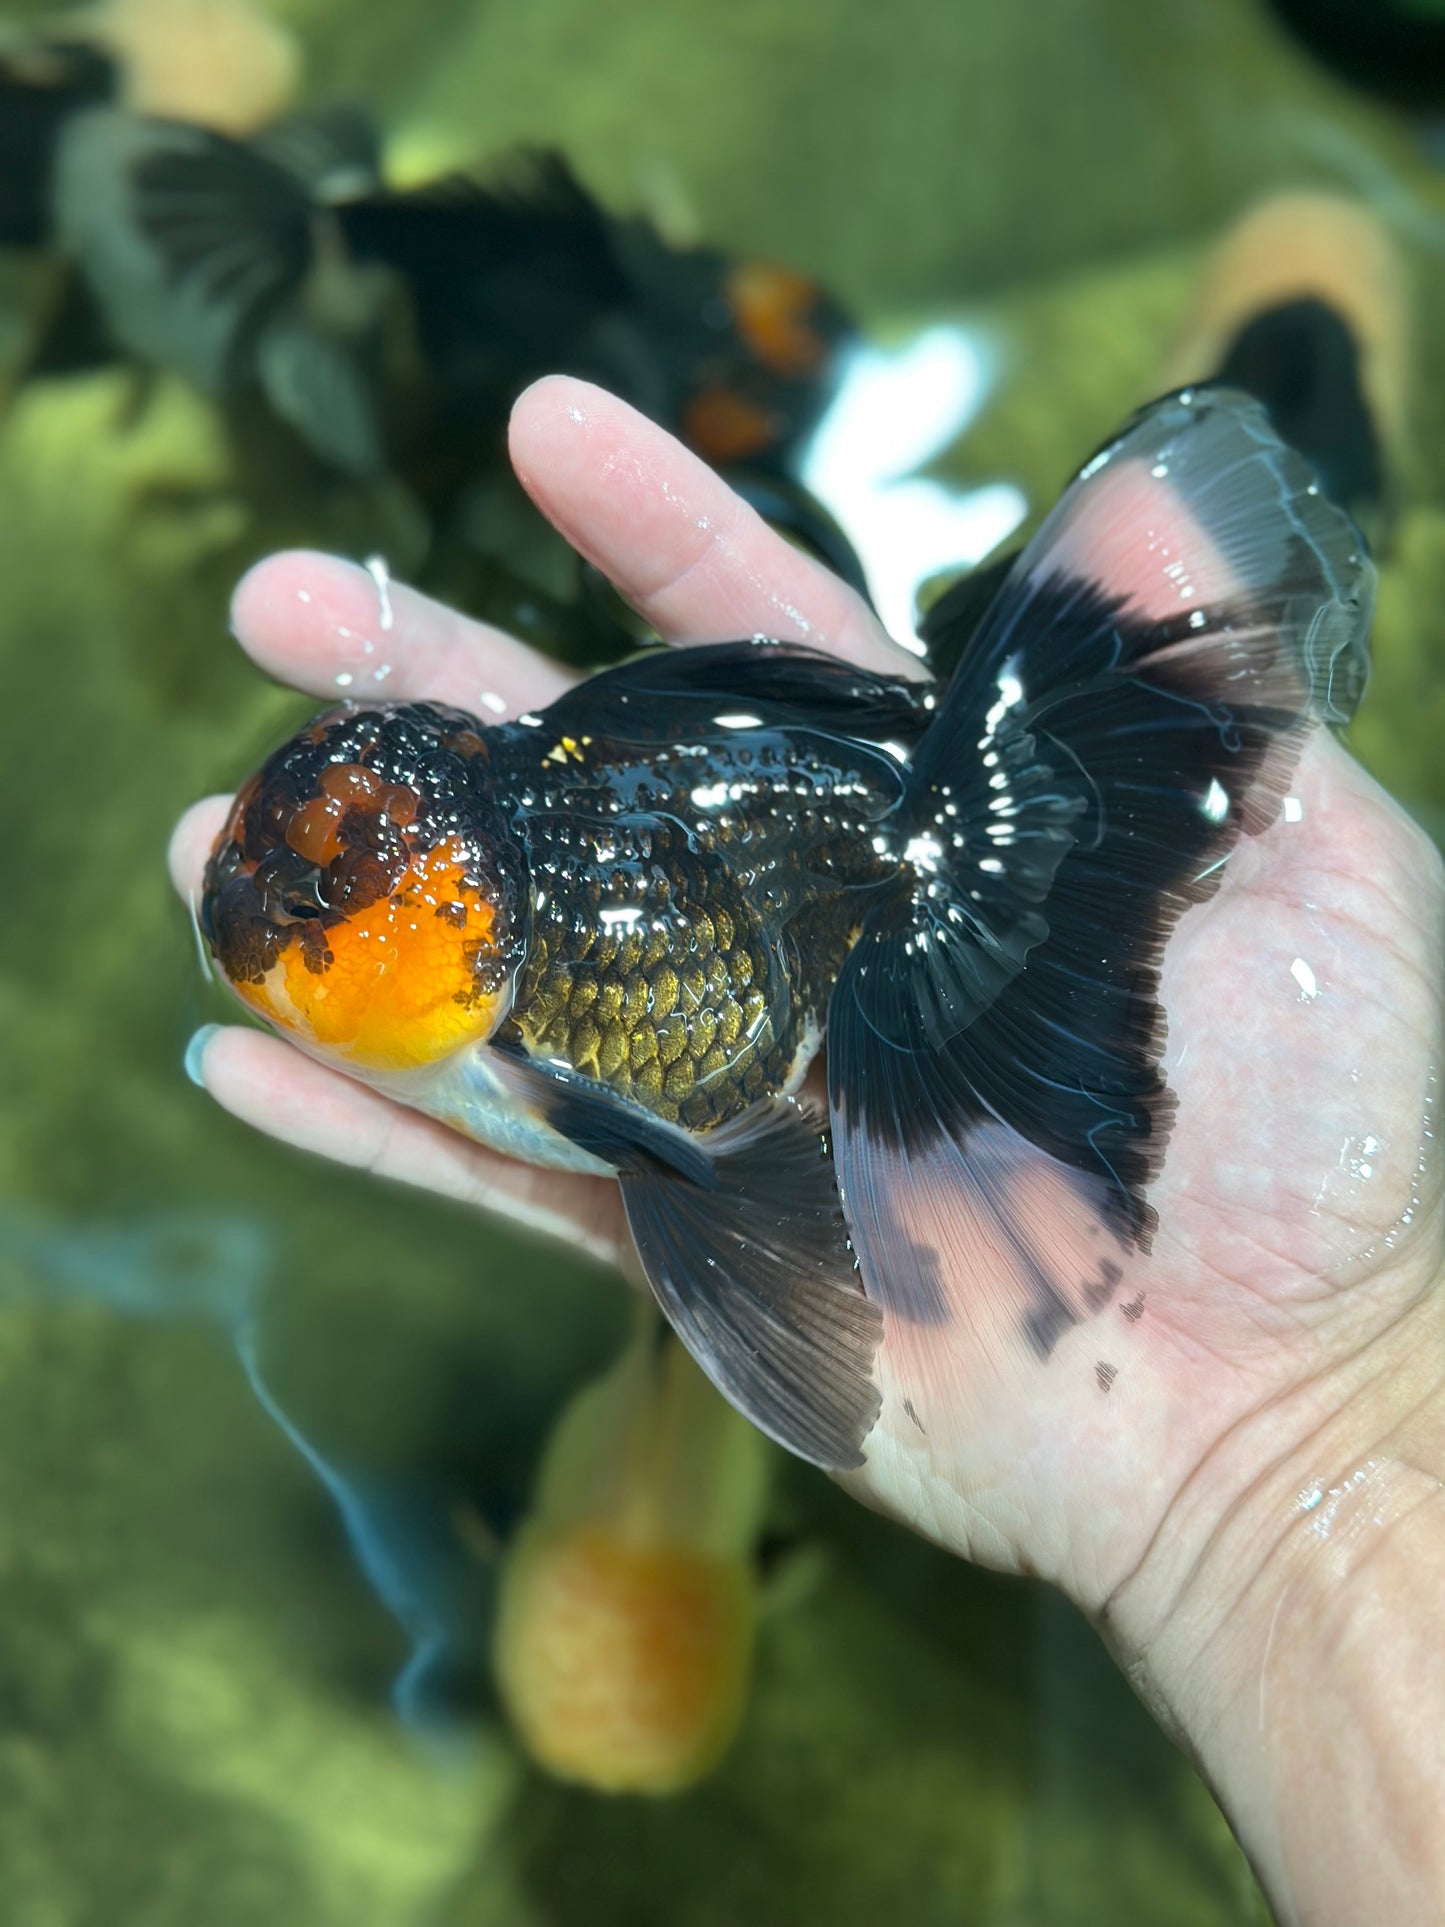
{"x":612,"y":937}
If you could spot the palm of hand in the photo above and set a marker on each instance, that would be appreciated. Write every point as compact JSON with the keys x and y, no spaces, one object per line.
{"x":1298,"y":1211}
{"x":1303,"y":1011}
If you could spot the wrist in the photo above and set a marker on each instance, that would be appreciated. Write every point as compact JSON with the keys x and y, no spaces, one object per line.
{"x":1286,"y":1626}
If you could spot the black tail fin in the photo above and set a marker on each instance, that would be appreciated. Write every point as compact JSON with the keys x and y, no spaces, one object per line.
{"x":1132,"y":704}
{"x":334,"y":151}
{"x":215,"y":260}
{"x":188,"y":241}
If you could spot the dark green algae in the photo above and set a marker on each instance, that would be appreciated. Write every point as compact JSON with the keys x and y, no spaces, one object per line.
{"x":194,"y":1676}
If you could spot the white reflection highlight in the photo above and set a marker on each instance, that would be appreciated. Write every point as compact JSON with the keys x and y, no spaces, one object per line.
{"x":894,"y":411}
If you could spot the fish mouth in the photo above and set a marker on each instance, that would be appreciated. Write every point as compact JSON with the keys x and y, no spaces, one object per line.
{"x":360,"y":896}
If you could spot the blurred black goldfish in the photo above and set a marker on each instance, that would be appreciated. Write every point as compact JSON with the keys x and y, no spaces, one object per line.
{"x":609,"y":938}
{"x":391,"y":331}
{"x":383,"y":324}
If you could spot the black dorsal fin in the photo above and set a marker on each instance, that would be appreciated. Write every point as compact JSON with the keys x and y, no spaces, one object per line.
{"x":666,"y":693}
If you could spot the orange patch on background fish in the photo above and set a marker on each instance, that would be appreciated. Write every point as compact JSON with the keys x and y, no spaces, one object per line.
{"x":725,"y":427}
{"x":773,"y":308}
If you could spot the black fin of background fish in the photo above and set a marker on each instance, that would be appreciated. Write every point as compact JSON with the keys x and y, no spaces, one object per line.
{"x":188,"y":241}
{"x":321,"y":387}
{"x":743,"y":1243}
{"x":950,"y":623}
{"x":1302,"y":360}
{"x":529,"y":184}
{"x":1395,"y":48}
{"x":1133,"y":704}
{"x":334,"y":151}
{"x":670,"y":694}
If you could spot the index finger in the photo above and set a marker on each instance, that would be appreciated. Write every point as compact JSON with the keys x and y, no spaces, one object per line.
{"x":673,"y":538}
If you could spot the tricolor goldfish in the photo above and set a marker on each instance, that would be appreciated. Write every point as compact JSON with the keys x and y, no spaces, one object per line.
{"x":612,"y":937}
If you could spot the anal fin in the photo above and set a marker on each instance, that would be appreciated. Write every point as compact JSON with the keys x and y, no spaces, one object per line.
{"x":756,"y":1276}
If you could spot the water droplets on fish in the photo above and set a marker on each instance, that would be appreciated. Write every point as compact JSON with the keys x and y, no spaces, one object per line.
{"x":924,"y":852}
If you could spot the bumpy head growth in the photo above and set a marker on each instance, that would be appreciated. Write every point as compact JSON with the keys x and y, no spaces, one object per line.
{"x":367,"y":894}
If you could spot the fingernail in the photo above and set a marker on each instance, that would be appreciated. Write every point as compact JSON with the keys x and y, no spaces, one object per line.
{"x":195,"y":1052}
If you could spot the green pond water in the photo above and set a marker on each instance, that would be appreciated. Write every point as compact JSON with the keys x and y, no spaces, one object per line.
{"x":195,"y":1677}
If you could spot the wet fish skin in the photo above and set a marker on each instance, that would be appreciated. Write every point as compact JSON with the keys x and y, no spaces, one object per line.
{"x":610,"y":937}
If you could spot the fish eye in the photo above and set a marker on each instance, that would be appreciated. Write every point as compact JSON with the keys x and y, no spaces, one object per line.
{"x":362,"y":893}
{"x":303,"y":896}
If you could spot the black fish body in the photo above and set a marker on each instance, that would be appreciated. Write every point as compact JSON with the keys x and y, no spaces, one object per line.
{"x":611,"y":937}
{"x":682,"y":881}
{"x":396,"y":327}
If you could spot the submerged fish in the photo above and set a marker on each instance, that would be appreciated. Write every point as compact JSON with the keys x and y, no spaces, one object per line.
{"x":278,"y":262}
{"x":611,"y":937}
{"x":1306,"y":305}
{"x":392,"y":331}
{"x":524,"y":273}
{"x":628,"y":1599}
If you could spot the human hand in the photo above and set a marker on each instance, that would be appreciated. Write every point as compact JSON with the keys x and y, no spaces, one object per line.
{"x":1151,"y":1466}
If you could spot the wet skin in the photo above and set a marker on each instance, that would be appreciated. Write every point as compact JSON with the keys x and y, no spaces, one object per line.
{"x":1293,"y":1278}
